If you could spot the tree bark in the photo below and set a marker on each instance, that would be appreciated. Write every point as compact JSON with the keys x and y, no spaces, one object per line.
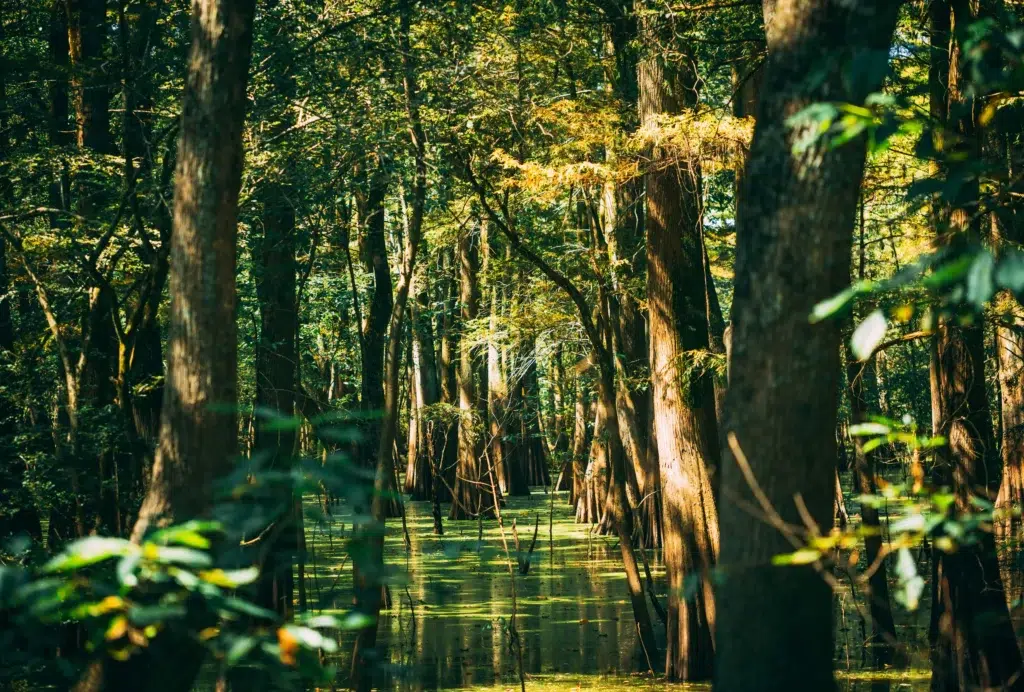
{"x":685,"y":427}
{"x":473,"y":477}
{"x":198,"y":430}
{"x":197,"y":440}
{"x":972,"y":635}
{"x":276,"y":362}
{"x":87,"y":30}
{"x":794,"y":233}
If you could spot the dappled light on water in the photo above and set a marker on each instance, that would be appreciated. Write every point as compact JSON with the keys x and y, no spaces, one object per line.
{"x":448,"y":625}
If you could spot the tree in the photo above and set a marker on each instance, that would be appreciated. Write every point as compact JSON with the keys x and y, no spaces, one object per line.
{"x":685,"y":428}
{"x":794,"y":233}
{"x":972,"y":636}
{"x":474,"y":475}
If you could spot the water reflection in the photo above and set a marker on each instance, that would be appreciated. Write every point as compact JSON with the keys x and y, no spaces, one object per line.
{"x":448,"y":625}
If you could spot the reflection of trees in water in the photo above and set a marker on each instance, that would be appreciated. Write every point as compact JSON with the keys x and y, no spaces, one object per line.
{"x":572,"y":619}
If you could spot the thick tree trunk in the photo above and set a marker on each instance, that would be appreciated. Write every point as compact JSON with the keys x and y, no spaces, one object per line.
{"x":581,"y":433}
{"x":197,"y":439}
{"x":474,"y":474}
{"x":685,"y":427}
{"x":447,"y":367}
{"x":276,"y":360}
{"x":532,"y":450}
{"x":374,"y":254}
{"x":427,"y":393}
{"x":198,"y":430}
{"x":794,"y":233}
{"x":972,"y":635}
{"x":87,"y":30}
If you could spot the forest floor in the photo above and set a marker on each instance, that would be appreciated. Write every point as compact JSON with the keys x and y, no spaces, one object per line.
{"x":449,"y":622}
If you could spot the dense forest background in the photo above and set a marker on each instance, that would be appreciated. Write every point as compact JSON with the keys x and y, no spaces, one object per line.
{"x":737,"y":281}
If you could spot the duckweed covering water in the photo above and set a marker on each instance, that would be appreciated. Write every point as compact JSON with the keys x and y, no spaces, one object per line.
{"x":448,"y":624}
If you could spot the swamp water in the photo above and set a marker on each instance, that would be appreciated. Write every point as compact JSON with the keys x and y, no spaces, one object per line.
{"x":448,"y":625}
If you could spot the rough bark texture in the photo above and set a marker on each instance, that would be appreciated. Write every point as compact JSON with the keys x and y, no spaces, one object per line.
{"x":532,"y":452}
{"x":685,"y":427}
{"x":581,"y":433}
{"x":197,"y":438}
{"x":87,"y":29}
{"x":972,"y":636}
{"x":794,"y":233}
{"x":276,"y":363}
{"x":473,"y":477}
{"x":198,"y":430}
{"x":374,"y":254}
{"x":426,"y":392}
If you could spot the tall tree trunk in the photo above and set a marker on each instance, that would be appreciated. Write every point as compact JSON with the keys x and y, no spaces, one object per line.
{"x":684,"y":403}
{"x":198,"y":430}
{"x":580,"y":443}
{"x":368,"y":576}
{"x":794,"y":233}
{"x":532,"y":450}
{"x":427,"y":391}
{"x":447,"y":367}
{"x":373,"y":251}
{"x":87,"y":30}
{"x":276,"y":362}
{"x":473,"y":478}
{"x":972,"y":636}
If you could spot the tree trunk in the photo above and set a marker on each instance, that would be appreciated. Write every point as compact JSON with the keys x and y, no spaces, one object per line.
{"x":794,"y":233}
{"x":474,"y":473}
{"x":580,"y":443}
{"x":276,"y":360}
{"x":198,"y":430}
{"x":87,"y":30}
{"x":972,"y":636}
{"x":882,"y":640}
{"x":532,"y":450}
{"x":427,"y":390}
{"x":447,"y":367}
{"x":684,"y":403}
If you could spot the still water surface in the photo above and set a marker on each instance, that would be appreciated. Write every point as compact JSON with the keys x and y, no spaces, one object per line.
{"x":448,"y":626}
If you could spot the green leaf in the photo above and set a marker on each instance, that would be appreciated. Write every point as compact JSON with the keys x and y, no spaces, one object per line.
{"x":831,"y":306}
{"x":869,"y":335}
{"x":151,"y":615}
{"x":88,"y":551}
{"x":175,"y":555}
{"x":311,"y":639}
{"x":356,"y":621}
{"x":861,"y":429}
{"x":183,"y":535}
{"x":981,"y":279}
{"x":949,"y":272}
{"x":1010,"y":272}
{"x":244,"y":607}
{"x":911,"y":584}
{"x":126,"y":570}
{"x":230,"y":579}
{"x":804,"y":556}
{"x":239,"y":649}
{"x":322,"y":621}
